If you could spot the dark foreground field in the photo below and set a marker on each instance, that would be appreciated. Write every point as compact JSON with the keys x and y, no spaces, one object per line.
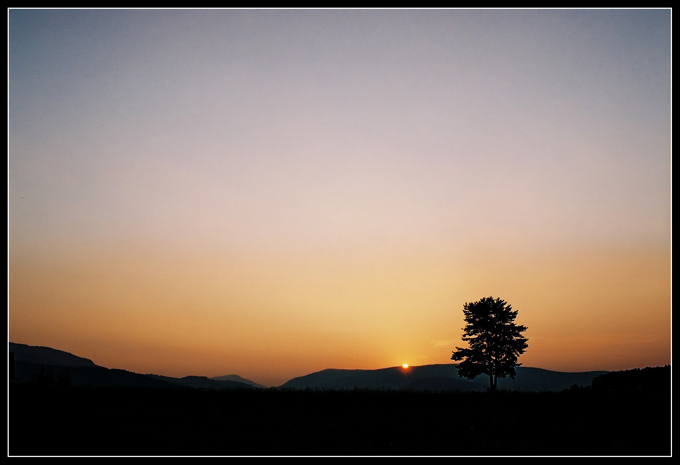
{"x":145,"y":421}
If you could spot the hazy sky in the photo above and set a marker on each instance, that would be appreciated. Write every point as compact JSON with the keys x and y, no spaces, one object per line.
{"x":274,"y":192}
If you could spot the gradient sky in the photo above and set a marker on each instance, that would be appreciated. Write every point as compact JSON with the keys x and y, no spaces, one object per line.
{"x":275,"y":192}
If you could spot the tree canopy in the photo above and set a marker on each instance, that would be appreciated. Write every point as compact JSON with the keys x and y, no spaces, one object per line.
{"x":495,"y":341}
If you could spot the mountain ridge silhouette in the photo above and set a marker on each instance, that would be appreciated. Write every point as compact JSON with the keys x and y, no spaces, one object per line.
{"x":29,"y":360}
{"x":47,"y":356}
{"x":436,"y":377}
{"x":439,"y":377}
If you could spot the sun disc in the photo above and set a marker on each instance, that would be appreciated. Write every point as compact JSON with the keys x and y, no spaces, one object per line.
{"x":405,"y":365}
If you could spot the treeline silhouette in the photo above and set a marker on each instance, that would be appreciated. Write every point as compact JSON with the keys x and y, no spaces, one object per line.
{"x":641,"y":379}
{"x":50,"y":420}
{"x":46,"y":379}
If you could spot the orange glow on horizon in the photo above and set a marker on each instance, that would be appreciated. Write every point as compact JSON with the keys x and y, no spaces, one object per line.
{"x":188,"y":316}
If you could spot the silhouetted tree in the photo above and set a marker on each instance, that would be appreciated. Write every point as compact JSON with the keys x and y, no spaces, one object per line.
{"x":43,"y":378}
{"x":63,"y":379}
{"x":495,"y":341}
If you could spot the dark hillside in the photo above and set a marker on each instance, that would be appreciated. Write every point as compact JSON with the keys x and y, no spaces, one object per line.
{"x":46,"y":356}
{"x":93,"y":376}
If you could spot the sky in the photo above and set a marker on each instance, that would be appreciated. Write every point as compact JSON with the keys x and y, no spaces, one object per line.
{"x":271,"y":193}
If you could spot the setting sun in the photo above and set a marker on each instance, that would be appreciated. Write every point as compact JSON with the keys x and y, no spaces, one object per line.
{"x":405,"y":365}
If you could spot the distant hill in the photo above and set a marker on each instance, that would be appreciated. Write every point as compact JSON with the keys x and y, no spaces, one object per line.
{"x":238,"y":379}
{"x":441,"y":377}
{"x":204,"y":382}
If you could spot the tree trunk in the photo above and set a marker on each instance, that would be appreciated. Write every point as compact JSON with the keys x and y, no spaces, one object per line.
{"x":492,"y":383}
